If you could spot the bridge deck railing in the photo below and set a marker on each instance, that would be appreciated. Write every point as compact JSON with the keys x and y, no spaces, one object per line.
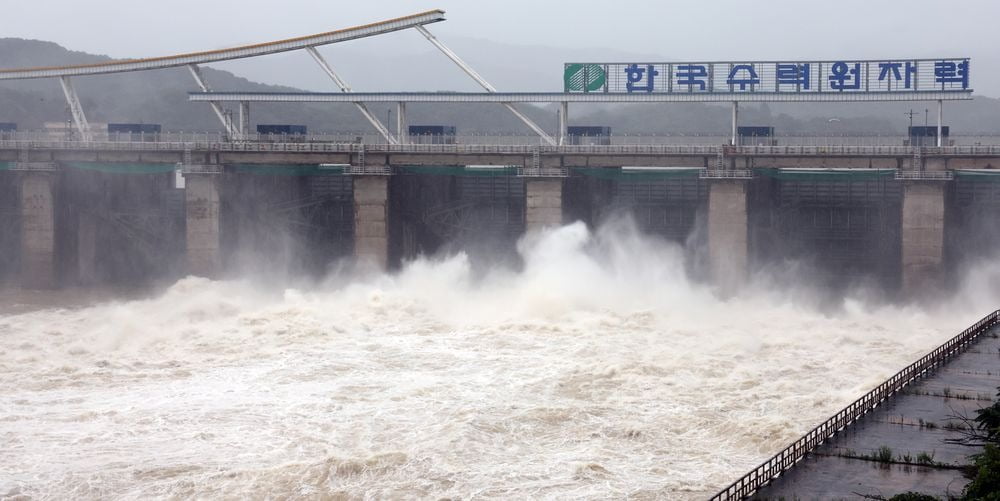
{"x":781,"y":462}
{"x":508,"y":138}
{"x":205,"y":143}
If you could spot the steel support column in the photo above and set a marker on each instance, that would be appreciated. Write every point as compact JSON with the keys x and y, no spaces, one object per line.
{"x":321,"y":61}
{"x":244,"y":118}
{"x":940,"y":140}
{"x":402,"y":133}
{"x":736,"y":120}
{"x":79,"y":118}
{"x":216,"y":107}
{"x":563,"y":122}
{"x":482,"y":81}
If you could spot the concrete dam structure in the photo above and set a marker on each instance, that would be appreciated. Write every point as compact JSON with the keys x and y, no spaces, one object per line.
{"x":885,"y":211}
{"x":93,"y":212}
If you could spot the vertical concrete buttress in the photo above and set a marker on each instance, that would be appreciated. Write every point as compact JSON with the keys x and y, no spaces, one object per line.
{"x":201,"y":193}
{"x":922,"y":235}
{"x":38,"y":230}
{"x":543,"y":199}
{"x":371,"y":218}
{"x":727,"y":234}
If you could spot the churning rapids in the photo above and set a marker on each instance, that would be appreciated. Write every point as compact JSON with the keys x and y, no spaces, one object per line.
{"x":597,"y":370}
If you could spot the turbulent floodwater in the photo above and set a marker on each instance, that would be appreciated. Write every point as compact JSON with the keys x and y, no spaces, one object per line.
{"x":597,"y":371}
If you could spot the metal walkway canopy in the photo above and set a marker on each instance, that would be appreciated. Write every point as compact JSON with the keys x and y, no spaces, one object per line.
{"x":121,"y":66}
{"x":573,"y":97}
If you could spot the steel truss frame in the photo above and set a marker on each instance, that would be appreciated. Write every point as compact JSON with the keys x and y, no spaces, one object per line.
{"x":382,"y":129}
{"x":216,"y":107}
{"x":193,"y":60}
{"x":73,"y":100}
{"x":416,"y":21}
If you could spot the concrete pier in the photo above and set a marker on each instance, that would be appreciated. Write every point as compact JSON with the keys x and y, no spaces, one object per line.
{"x":543,"y":203}
{"x":38,"y":230}
{"x":371,"y":218}
{"x":727,"y":234}
{"x":922,"y":236}
{"x":202,"y":215}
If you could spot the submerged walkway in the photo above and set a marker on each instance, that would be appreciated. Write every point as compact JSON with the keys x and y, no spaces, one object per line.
{"x":894,"y":439}
{"x":911,"y":428}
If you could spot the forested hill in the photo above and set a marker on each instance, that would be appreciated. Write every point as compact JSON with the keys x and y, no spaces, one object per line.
{"x":161,"y":97}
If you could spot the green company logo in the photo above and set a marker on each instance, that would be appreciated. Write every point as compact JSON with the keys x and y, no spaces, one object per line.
{"x":584,"y":77}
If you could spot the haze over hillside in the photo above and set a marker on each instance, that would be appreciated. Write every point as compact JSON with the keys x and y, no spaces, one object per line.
{"x":161,"y":96}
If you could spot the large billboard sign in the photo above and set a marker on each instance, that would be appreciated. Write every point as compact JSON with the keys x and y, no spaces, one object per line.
{"x":772,"y":77}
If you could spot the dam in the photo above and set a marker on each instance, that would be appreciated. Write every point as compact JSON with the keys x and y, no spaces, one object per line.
{"x":408,"y":312}
{"x":898,"y":214}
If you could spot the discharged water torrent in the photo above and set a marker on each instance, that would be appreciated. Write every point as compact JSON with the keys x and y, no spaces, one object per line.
{"x":596,"y":370}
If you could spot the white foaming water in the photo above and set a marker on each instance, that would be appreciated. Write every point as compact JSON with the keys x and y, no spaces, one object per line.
{"x":597,"y":371}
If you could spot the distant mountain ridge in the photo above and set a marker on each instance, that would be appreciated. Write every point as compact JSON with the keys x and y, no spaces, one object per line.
{"x":161,"y":96}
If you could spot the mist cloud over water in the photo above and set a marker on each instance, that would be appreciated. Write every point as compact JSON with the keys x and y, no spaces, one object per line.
{"x":597,"y":369}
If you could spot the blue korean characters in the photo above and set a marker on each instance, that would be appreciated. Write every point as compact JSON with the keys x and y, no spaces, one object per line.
{"x":896,"y":75}
{"x":692,"y":74}
{"x":640,"y":78}
{"x":743,"y":75}
{"x":952,"y":72}
{"x":895,"y":72}
{"x":844,"y":76}
{"x":796,"y":74}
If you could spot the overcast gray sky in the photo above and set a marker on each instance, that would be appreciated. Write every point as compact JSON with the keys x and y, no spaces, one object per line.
{"x":688,"y":30}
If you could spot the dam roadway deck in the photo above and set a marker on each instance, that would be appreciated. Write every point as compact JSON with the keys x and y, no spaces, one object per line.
{"x":210,"y":151}
{"x":902,"y":442}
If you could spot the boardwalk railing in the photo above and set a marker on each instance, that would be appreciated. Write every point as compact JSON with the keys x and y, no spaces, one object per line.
{"x":760,"y":476}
